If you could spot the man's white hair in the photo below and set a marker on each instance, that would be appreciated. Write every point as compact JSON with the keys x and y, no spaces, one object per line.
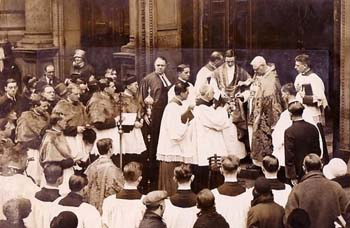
{"x":258,"y":61}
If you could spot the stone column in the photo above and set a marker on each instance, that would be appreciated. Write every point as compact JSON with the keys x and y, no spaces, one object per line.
{"x":344,"y":114}
{"x":36,"y":49}
{"x":124,"y":61}
{"x":38,"y":21}
{"x":133,"y":16}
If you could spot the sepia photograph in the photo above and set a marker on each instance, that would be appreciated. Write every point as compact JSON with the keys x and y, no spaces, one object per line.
{"x":174,"y":113}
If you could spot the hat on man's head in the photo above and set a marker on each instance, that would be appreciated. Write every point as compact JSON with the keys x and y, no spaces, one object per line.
{"x":29,"y":80}
{"x":61,"y":89}
{"x":335,"y":168}
{"x":154,"y":198}
{"x":258,"y":61}
{"x":79,"y":53}
{"x":130,"y":79}
{"x":262,"y":185}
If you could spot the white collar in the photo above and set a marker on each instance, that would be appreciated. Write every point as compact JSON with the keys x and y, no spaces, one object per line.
{"x":231,"y":179}
{"x":129,"y":187}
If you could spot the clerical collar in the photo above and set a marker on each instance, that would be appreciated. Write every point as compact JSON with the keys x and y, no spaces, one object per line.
{"x":271,"y":177}
{"x":298,"y":119}
{"x":231,"y":179}
{"x":184,"y":188}
{"x":50,"y":187}
{"x":181,"y":80}
{"x":307,"y":72}
{"x":129,"y":187}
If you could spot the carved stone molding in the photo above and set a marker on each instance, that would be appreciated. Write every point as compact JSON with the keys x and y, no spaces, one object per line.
{"x":344,"y":114}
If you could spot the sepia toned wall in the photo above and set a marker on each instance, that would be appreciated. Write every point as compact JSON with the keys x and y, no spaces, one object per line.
{"x":12,"y":20}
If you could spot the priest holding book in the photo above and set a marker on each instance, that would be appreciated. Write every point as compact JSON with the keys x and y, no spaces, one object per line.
{"x":174,"y":145}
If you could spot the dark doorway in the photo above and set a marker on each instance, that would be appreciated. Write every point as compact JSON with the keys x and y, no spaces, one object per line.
{"x":105,"y":28}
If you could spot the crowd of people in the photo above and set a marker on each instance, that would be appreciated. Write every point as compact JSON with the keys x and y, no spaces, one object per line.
{"x":110,"y":151}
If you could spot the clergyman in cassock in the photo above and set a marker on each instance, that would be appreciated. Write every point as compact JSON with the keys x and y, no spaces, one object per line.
{"x":158,"y":84}
{"x":104,"y":177}
{"x":43,"y":201}
{"x":180,"y":208}
{"x":125,"y":209}
{"x":174,"y":144}
{"x":207,"y":136}
{"x":88,"y":215}
{"x":232,"y":192}
{"x":29,"y":132}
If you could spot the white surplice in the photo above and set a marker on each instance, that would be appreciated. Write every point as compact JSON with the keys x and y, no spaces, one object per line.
{"x":122,"y":212}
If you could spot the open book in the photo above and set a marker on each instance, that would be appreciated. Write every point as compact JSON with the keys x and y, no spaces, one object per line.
{"x":188,"y":115}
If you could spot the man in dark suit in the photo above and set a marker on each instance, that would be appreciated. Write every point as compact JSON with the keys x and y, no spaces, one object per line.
{"x":155,"y":84}
{"x":49,"y":77}
{"x":300,"y":139}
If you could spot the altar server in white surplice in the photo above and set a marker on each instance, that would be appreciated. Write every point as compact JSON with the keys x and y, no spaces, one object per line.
{"x":207,"y":135}
{"x":232,"y":198}
{"x":14,"y":183}
{"x":125,"y":209}
{"x":88,"y":215}
{"x":180,"y":208}
{"x":174,"y":144}
{"x":42,"y":204}
{"x":280,"y":190}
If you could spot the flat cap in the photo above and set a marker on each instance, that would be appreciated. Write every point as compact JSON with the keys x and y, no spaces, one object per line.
{"x":131,"y":79}
{"x":335,"y":168}
{"x":154,"y":198}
